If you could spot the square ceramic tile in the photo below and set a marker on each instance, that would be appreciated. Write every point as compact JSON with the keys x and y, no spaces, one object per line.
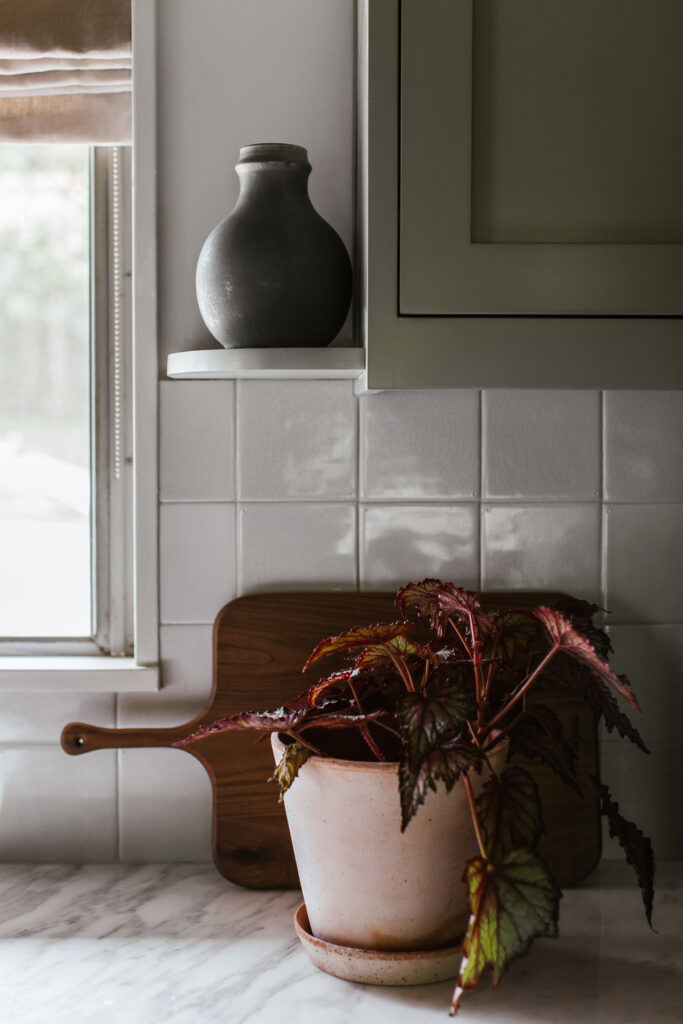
{"x":196,"y":442}
{"x":420,"y":444}
{"x":399,"y":543}
{"x":56,"y":807}
{"x":648,"y":791}
{"x":186,"y":675}
{"x":644,"y":445}
{"x":534,"y":547}
{"x":197,"y":561}
{"x":165,"y":804}
{"x":652,"y":658}
{"x":297,"y":439}
{"x":40,"y":718}
{"x":541,"y":444}
{"x":305,"y":546}
{"x":644,"y":563}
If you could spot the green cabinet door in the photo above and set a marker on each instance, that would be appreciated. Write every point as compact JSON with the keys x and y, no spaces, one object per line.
{"x":522,"y":192}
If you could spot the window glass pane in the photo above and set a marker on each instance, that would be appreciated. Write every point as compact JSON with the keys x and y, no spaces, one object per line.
{"x":45,"y":494}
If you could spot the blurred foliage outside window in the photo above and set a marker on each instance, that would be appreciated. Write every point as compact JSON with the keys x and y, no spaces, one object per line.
{"x":45,"y":487}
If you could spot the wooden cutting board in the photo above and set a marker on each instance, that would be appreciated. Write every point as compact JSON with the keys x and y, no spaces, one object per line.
{"x":260,"y":643}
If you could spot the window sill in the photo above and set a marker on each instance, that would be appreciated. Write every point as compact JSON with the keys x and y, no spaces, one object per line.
{"x":77,"y":675}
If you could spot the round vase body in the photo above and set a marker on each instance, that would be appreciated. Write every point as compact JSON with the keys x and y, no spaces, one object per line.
{"x":365,"y":883}
{"x":273,"y":273}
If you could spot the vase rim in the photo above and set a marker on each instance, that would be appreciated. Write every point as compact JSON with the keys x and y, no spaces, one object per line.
{"x":273,"y":152}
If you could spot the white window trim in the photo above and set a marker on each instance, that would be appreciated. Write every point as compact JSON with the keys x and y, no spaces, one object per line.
{"x":61,"y":669}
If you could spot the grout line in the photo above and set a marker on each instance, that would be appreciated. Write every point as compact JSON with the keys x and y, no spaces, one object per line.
{"x":237,"y":530}
{"x":602,"y":527}
{"x":419,"y":499}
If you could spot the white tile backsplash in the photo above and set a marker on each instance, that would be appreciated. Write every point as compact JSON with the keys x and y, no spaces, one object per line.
{"x":186,"y":676}
{"x":419,"y":444}
{"x":297,"y":440}
{"x":297,"y":546}
{"x":647,"y":789}
{"x":399,"y":543}
{"x":31,"y":718}
{"x":299,"y":523}
{"x":644,"y":445}
{"x":165,"y":806}
{"x":541,"y":444}
{"x":56,"y":807}
{"x":532,"y":547}
{"x":644,"y":562}
{"x":196,"y":446}
{"x":197,"y":561}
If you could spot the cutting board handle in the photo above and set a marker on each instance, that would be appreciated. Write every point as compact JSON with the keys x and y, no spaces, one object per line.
{"x":79,"y":738}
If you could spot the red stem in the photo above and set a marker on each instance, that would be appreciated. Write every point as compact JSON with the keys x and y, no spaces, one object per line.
{"x":475,"y":819}
{"x":523,"y":688}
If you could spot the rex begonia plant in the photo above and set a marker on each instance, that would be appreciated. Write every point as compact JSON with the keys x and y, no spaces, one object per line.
{"x":437,"y":691}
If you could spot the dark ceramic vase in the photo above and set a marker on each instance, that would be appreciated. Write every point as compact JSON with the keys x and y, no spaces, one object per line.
{"x":273,"y":273}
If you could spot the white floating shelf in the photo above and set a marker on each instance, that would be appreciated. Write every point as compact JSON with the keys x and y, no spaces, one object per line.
{"x":267,"y":364}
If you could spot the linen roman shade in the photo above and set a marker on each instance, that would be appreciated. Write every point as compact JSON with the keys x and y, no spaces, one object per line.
{"x":65,"y":71}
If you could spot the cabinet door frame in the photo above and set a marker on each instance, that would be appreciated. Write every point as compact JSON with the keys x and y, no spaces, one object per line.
{"x":413,"y":350}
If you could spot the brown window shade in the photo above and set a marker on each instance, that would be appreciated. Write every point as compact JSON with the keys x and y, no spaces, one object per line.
{"x":65,"y":71}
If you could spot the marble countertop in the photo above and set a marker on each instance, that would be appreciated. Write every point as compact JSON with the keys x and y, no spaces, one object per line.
{"x":177,"y":944}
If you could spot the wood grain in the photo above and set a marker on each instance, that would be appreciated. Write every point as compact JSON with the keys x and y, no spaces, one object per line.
{"x":260,"y":643}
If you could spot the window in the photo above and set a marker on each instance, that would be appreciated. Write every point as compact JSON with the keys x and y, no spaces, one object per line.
{"x":78,"y":367}
{"x":65,"y":508}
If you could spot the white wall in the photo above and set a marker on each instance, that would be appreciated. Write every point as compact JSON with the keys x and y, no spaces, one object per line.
{"x":268,"y":485}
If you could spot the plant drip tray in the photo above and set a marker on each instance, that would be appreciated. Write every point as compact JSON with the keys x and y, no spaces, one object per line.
{"x":378,"y":967}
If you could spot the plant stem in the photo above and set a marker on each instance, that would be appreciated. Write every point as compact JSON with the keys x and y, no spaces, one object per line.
{"x":475,"y":818}
{"x":478,"y":678}
{"x":461,"y":638}
{"x":299,"y":739}
{"x":356,"y":697}
{"x":365,"y":733}
{"x":402,"y":669}
{"x":523,"y":688}
{"x":383,"y":725}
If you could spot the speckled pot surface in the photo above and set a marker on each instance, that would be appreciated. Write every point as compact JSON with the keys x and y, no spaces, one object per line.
{"x":273,"y":274}
{"x":365,"y":883}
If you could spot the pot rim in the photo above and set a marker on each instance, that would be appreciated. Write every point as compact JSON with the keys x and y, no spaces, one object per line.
{"x":346,"y":764}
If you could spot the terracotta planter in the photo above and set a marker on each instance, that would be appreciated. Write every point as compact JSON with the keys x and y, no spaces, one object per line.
{"x":365,"y":883}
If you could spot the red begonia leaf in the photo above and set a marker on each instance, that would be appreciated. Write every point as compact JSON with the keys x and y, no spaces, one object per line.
{"x":323,"y":686}
{"x":574,"y":645}
{"x":359,"y":636}
{"x":539,"y":733}
{"x":513,"y":631}
{"x":509,"y":811}
{"x":382,"y":655}
{"x":280,"y":720}
{"x":636,"y":846}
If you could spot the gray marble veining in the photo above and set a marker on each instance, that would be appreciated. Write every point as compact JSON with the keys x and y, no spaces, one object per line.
{"x":176,"y":944}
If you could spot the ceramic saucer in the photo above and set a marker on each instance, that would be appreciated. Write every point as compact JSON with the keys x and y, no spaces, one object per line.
{"x":377,"y":967}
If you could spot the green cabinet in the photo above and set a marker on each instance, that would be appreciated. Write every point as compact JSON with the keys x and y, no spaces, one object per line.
{"x":521,"y":199}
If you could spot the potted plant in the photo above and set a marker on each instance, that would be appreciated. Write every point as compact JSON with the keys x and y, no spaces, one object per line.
{"x":429,"y":710}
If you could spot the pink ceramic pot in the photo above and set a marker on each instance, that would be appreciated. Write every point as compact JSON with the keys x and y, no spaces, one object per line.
{"x":365,"y":883}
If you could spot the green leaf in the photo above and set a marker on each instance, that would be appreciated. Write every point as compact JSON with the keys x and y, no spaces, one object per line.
{"x":432,"y":725}
{"x":359,"y":636}
{"x":512,"y":903}
{"x":445,"y":761}
{"x":636,"y":846}
{"x":514,"y":631}
{"x":443,"y":708}
{"x":509,"y":811}
{"x":380,"y":655}
{"x":573,"y":644}
{"x":419,"y":599}
{"x":289,"y":764}
{"x":539,"y":733}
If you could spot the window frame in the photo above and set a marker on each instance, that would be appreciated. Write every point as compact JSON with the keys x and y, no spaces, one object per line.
{"x":124,"y":652}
